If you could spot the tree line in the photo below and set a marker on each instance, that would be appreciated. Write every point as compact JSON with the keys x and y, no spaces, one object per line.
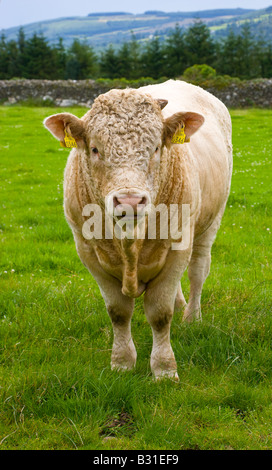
{"x":237,"y":55}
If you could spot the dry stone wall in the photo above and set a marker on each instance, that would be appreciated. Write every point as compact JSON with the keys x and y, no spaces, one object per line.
{"x":83,"y":92}
{"x":60,"y":92}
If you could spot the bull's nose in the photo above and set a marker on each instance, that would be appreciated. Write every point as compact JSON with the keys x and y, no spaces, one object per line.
{"x":122,"y":202}
{"x":130,"y":200}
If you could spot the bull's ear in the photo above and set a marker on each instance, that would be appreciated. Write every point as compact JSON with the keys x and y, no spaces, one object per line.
{"x":162,"y":103}
{"x":191,"y":122}
{"x":66,"y":124}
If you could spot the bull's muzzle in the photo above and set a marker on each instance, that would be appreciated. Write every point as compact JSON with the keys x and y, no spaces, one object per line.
{"x":127,"y":202}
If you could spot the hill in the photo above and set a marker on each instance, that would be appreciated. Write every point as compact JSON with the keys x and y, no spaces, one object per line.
{"x":260,"y":24}
{"x":101,"y":29}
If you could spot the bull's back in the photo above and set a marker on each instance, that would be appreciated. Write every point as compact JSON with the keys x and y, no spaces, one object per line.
{"x":185,"y":97}
{"x":210,"y":150}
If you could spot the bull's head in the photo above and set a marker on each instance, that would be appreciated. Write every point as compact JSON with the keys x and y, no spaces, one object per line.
{"x":123,"y":142}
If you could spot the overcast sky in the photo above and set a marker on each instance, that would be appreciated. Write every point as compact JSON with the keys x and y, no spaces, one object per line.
{"x":20,"y":12}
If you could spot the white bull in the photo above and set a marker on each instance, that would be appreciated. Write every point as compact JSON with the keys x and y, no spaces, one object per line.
{"x":129,"y":155}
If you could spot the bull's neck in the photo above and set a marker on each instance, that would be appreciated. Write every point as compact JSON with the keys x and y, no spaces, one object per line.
{"x":172,"y":177}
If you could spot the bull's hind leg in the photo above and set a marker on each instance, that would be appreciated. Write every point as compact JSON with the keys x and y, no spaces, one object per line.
{"x":198,"y":270}
{"x":180,"y":301}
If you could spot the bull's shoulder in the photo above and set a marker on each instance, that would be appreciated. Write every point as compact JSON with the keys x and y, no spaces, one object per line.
{"x":183,"y":96}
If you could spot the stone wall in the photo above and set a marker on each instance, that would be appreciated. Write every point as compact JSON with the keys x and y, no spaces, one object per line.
{"x":59,"y":92}
{"x":245,"y":94}
{"x":83,"y":92}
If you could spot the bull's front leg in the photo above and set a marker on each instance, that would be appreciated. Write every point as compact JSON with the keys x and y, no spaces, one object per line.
{"x":119,"y":307}
{"x":159,"y":315}
{"x":120,"y":310}
{"x":159,"y":303}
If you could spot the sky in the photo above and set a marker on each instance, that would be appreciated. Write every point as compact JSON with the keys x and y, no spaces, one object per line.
{"x":21,"y":12}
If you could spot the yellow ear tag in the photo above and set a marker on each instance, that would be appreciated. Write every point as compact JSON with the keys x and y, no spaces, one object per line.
{"x":179,"y":137}
{"x":69,"y":141}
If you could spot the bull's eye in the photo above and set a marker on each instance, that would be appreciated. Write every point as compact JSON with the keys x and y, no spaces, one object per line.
{"x":157,"y":149}
{"x":95,"y":151}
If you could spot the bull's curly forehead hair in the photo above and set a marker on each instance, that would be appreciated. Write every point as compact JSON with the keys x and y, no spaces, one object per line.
{"x":127,"y":123}
{"x":129,"y":101}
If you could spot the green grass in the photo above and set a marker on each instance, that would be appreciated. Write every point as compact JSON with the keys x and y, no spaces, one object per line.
{"x":57,"y":389}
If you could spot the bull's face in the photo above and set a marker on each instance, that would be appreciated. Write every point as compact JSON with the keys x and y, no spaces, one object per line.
{"x":125,"y":133}
{"x":122,"y":142}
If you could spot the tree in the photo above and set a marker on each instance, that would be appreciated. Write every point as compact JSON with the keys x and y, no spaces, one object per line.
{"x":246,"y":54}
{"x":81,"y":61}
{"x":174,"y":53}
{"x":152,"y":59}
{"x":21,"y":41}
{"x":60,"y":59}
{"x":124,"y":61}
{"x":109,"y":63}
{"x":4,"y":59}
{"x":200,"y":47}
{"x":227,"y":56}
{"x":135,"y":56}
{"x":38,"y":58}
{"x":13,"y":60}
{"x":266,"y":64}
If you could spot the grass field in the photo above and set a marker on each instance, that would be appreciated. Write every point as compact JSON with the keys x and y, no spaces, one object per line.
{"x":56,"y":387}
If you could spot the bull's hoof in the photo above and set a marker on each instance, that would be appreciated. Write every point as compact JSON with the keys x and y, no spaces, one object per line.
{"x":164,"y":365}
{"x":191,"y":315}
{"x":122,"y":367}
{"x":124,"y":359}
{"x":169,"y":375}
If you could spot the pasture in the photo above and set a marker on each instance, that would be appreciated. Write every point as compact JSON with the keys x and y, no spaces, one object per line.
{"x":56,"y":387}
